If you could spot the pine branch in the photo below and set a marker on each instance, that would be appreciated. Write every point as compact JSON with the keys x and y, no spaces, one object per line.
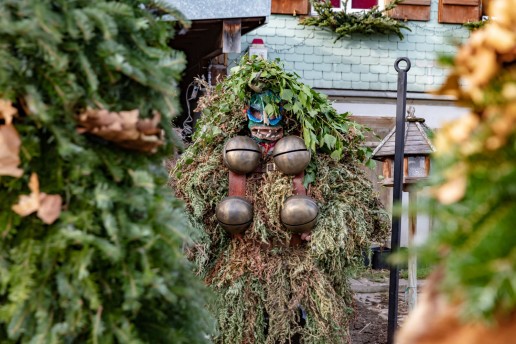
{"x":372,"y":22}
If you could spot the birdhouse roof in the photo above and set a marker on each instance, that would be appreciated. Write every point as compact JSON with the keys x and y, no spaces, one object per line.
{"x":416,"y":140}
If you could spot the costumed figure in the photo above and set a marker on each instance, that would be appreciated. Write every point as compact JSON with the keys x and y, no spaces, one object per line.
{"x":281,"y":208}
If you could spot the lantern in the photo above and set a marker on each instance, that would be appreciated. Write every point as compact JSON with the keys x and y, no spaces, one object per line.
{"x":416,"y":156}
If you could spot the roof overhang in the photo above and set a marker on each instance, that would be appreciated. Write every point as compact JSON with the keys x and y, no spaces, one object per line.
{"x":222,"y":9}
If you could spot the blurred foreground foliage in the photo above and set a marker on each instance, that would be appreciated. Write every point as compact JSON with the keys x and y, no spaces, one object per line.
{"x":474,"y":186}
{"x":107,"y":265}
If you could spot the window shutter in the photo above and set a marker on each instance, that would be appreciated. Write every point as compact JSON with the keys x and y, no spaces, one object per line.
{"x":412,"y":10}
{"x":335,"y":3}
{"x":459,"y":11}
{"x":290,"y":7}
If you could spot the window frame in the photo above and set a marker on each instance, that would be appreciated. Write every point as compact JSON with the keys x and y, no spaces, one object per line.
{"x":381,"y":6}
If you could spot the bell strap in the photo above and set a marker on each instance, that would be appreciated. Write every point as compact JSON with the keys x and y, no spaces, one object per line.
{"x":237,"y":188}
{"x":299,"y":188}
{"x":236,"y":184}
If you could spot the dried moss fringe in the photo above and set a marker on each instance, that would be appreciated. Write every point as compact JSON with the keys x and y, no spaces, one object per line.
{"x":259,"y":282}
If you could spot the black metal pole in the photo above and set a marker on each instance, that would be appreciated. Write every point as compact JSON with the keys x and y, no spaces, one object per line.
{"x":397,"y":193}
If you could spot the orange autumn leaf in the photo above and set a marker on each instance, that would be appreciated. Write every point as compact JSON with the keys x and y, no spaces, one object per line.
{"x":48,"y":207}
{"x":9,"y":151}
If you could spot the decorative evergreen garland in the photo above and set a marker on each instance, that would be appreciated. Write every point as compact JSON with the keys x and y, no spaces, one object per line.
{"x":372,"y":22}
{"x":91,"y":239}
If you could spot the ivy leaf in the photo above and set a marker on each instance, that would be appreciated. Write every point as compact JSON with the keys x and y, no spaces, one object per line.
{"x":370,"y":163}
{"x":286,"y":94}
{"x":308,"y":179}
{"x":306,"y":136}
{"x":269,"y":108}
{"x":308,"y":125}
{"x":297,"y":108}
{"x":330,"y":140}
{"x":303,"y":99}
{"x":336,"y":155}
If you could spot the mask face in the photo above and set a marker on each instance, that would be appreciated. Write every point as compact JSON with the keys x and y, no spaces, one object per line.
{"x":264,"y":126}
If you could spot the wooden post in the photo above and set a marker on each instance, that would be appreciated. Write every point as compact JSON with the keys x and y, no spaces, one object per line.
{"x":412,"y":263}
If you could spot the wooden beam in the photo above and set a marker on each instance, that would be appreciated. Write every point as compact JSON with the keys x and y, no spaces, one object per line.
{"x":412,"y":263}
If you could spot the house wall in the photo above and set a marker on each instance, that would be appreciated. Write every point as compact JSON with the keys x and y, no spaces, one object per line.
{"x":359,"y":76}
{"x":360,"y":62}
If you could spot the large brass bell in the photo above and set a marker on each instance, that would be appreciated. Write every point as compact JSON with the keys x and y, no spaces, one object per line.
{"x":291,"y":155}
{"x":299,"y":214}
{"x":241,"y":154}
{"x":234,"y":214}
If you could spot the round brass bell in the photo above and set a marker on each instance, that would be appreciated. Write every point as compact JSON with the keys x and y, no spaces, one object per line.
{"x":234,"y":214}
{"x":291,"y":155}
{"x":241,"y":154}
{"x":299,"y":214}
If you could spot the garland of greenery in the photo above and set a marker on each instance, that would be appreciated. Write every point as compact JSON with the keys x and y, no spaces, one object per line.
{"x":372,"y":22}
{"x":261,"y":285}
{"x":107,"y":265}
{"x":475,"y":25}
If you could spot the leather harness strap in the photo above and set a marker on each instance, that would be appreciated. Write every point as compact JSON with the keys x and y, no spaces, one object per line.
{"x":237,"y":188}
{"x":236,"y":184}
{"x":299,"y":189}
{"x":297,"y":182}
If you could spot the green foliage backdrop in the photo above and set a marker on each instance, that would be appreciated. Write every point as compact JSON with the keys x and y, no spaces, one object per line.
{"x":110,"y":269}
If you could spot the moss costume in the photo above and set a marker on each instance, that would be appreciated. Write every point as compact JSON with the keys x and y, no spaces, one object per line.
{"x":267,"y":288}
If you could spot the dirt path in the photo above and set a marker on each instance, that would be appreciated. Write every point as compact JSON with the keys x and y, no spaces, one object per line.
{"x":371,"y":311}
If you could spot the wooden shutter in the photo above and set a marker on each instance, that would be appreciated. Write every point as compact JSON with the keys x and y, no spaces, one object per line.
{"x":412,"y":10}
{"x":292,"y":7}
{"x":459,"y":11}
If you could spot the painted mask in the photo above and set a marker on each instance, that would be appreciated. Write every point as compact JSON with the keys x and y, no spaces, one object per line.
{"x":264,"y":116}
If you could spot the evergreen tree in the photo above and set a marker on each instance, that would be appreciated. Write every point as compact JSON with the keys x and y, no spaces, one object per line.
{"x":91,"y":253}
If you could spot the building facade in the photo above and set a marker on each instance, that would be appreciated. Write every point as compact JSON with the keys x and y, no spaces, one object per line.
{"x":358,"y":73}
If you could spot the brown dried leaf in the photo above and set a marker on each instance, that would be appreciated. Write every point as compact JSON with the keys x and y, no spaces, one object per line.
{"x":9,"y":151}
{"x":47,"y":206}
{"x":123,"y":128}
{"x":149,"y":126}
{"x":27,"y":204}
{"x":50,"y":208}
{"x":7,"y":111}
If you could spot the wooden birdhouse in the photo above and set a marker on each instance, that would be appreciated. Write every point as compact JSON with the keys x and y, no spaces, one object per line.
{"x":416,"y":157}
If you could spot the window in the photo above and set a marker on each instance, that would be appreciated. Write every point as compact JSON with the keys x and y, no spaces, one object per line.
{"x":358,"y":5}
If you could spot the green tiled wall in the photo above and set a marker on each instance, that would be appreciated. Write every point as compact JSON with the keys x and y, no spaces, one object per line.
{"x":360,"y":62}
